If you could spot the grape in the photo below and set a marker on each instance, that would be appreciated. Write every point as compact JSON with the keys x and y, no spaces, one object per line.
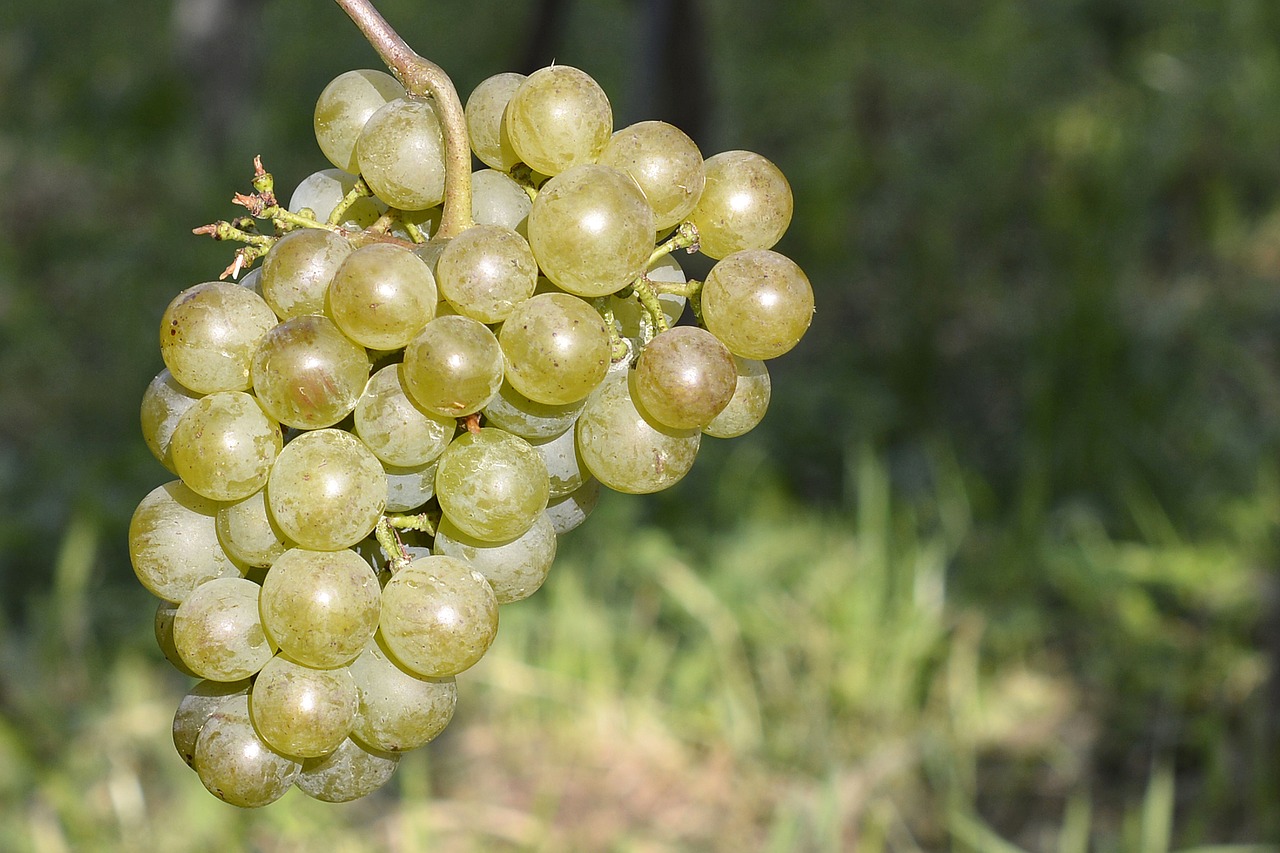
{"x":196,"y":708}
{"x":746,"y":204}
{"x":344,"y":107}
{"x":568,"y":512}
{"x":747,"y":406}
{"x":557,"y":348}
{"x":512,"y":411}
{"x":498,"y":200}
{"x":165,"y":611}
{"x":684,"y":378}
{"x":209,"y":333}
{"x":515,"y":569}
{"x":666,"y":164}
{"x":320,"y":607}
{"x":486,"y":271}
{"x":401,"y":154}
{"x":491,"y":484}
{"x":453,"y":367}
{"x":485,"y":126}
{"x":248,"y":533}
{"x":307,"y":374}
{"x":301,"y":711}
{"x":322,"y":191}
{"x":398,"y":711}
{"x":296,"y":272}
{"x":173,"y":542}
{"x":564,"y":468}
{"x":163,"y":404}
{"x":218,"y":632}
{"x":348,"y":773}
{"x":758,"y":303}
{"x":382,"y":296}
{"x":623,"y":449}
{"x":410,"y":488}
{"x":558,"y":118}
{"x":327,"y":490}
{"x":439,"y":616}
{"x":223,"y":446}
{"x":235,"y":764}
{"x":394,"y":428}
{"x":591,"y":230}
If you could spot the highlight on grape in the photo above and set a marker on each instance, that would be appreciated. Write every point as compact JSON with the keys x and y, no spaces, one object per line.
{"x":380,"y":430}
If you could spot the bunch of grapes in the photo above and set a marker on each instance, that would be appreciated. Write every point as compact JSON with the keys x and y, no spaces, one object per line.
{"x":381,"y":430}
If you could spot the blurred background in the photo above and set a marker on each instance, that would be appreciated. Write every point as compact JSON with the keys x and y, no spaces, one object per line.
{"x":999,"y":570}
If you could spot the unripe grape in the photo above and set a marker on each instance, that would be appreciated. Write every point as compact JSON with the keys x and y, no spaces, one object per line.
{"x":223,"y":446}
{"x":209,"y":333}
{"x":343,"y":109}
{"x":439,"y":616}
{"x":401,"y":154}
{"x":758,"y":303}
{"x":320,"y":607}
{"x":684,"y":377}
{"x":296,"y":272}
{"x":746,"y":204}
{"x":453,"y":367}
{"x":491,"y":484}
{"x":307,"y":374}
{"x":485,"y":127}
{"x":666,"y":164}
{"x":557,"y":119}
{"x":557,"y":348}
{"x":382,"y":296}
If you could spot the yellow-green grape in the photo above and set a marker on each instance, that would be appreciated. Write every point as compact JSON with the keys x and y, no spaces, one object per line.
{"x":491,"y":484}
{"x":394,"y":428}
{"x":209,"y":333}
{"x":173,"y":542}
{"x":301,"y":711}
{"x":684,"y":377}
{"x":398,"y":710}
{"x":410,"y":488}
{"x":515,"y":569}
{"x":496,"y":199}
{"x":564,"y":468}
{"x":223,"y":446}
{"x":666,"y":164}
{"x":401,"y":154}
{"x":749,"y":402}
{"x":623,"y":449}
{"x":297,"y":270}
{"x":558,"y":118}
{"x":237,"y":765}
{"x":758,"y":303}
{"x":486,"y":271}
{"x":348,"y":773}
{"x":570,"y":511}
{"x":307,"y":374}
{"x":557,"y":348}
{"x":327,"y":490}
{"x":512,"y":411}
{"x":163,"y":403}
{"x":344,"y":107}
{"x":453,"y":367}
{"x":485,"y":128}
{"x":321,"y":607}
{"x":591,"y":230}
{"x":321,"y":192}
{"x":746,"y":204}
{"x":630,"y":316}
{"x":382,"y":296}
{"x":439,"y":616}
{"x":165,"y":611}
{"x":218,"y":632}
{"x":196,"y":708}
{"x":248,"y":532}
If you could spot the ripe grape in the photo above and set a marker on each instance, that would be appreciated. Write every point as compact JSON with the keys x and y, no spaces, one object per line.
{"x":439,"y":616}
{"x":321,"y":192}
{"x":498,"y":200}
{"x":235,"y":764}
{"x":745,"y":204}
{"x":558,"y":118}
{"x":666,"y":164}
{"x":516,"y":569}
{"x":307,"y":374}
{"x":512,"y":411}
{"x":382,"y":296}
{"x":320,"y":607}
{"x":398,"y":710}
{"x":485,"y":125}
{"x":343,"y":109}
{"x":196,"y":708}
{"x":223,"y":446}
{"x":556,"y":347}
{"x":486,"y":271}
{"x":163,"y":404}
{"x":749,"y":402}
{"x":218,"y":632}
{"x":347,"y":773}
{"x":394,"y":428}
{"x":401,"y":154}
{"x":684,"y":378}
{"x":301,"y":711}
{"x":173,"y":542}
{"x":327,"y":490}
{"x":758,"y":303}
{"x":248,"y":533}
{"x":491,"y":484}
{"x":296,"y":272}
{"x":209,"y":333}
{"x":453,"y":367}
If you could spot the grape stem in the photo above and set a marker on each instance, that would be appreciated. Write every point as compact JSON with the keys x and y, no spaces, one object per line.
{"x":423,"y":78}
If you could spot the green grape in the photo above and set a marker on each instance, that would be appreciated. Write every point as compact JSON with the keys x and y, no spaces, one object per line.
{"x":327,"y":490}
{"x":173,"y":542}
{"x":223,"y":446}
{"x":209,"y":333}
{"x":631,"y":318}
{"x":557,"y":348}
{"x":296,"y":272}
{"x":591,"y":230}
{"x":410,"y":488}
{"x":321,"y":192}
{"x":623,"y":449}
{"x":321,"y":607}
{"x":515,"y":569}
{"x":394,"y":428}
{"x":301,"y":711}
{"x":398,"y":711}
{"x":453,"y":367}
{"x":486,"y":271}
{"x":348,"y":773}
{"x":491,"y":484}
{"x":248,"y":533}
{"x":568,"y":512}
{"x":196,"y":708}
{"x":684,"y":378}
{"x":512,"y":411}
{"x":235,"y":764}
{"x":485,"y":127}
{"x":343,"y":108}
{"x":498,"y":200}
{"x":307,"y":374}
{"x":666,"y":164}
{"x":401,"y":154}
{"x":746,"y":204}
{"x":165,"y":611}
{"x":439,"y":616}
{"x":382,"y":296}
{"x":564,"y":468}
{"x":218,"y":632}
{"x":758,"y":303}
{"x":163,"y":403}
{"x":748,"y":404}
{"x":558,"y":118}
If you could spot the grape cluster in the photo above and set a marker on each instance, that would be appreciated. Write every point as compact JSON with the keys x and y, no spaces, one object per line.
{"x":380,"y":431}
